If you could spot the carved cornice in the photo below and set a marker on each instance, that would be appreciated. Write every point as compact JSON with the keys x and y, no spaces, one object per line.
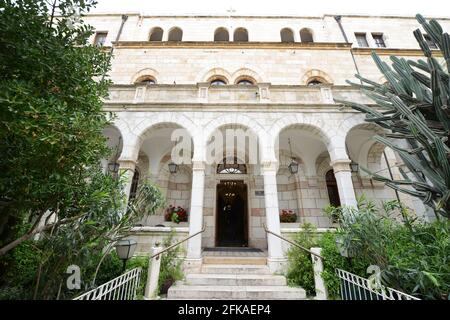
{"x":341,"y":165}
{"x":393,"y":52}
{"x":231,"y":45}
{"x":127,"y":164}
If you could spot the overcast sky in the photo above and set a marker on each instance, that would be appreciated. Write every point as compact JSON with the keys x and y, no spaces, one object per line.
{"x":439,"y":8}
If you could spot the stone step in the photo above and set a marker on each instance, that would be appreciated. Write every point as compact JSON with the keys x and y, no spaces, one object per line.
{"x":235,"y":260}
{"x":234,"y":269}
{"x":182,"y":291}
{"x":235,"y":279}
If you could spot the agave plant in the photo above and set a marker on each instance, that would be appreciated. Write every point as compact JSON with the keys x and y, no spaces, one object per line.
{"x":413,"y":107}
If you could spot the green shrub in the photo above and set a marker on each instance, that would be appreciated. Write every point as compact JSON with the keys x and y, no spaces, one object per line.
{"x":170,"y":270}
{"x":300,"y":269}
{"x":414,"y":256}
{"x":19,"y":268}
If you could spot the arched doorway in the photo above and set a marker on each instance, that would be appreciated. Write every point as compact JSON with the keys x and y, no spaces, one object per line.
{"x":232,"y":214}
{"x":332,"y":188}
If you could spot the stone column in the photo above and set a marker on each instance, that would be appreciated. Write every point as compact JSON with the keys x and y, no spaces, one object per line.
{"x":276,"y":259}
{"x":344,"y":181}
{"x":194,"y":253}
{"x":126,"y":170}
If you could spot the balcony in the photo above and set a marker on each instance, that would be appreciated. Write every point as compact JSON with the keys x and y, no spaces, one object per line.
{"x":233,"y":95}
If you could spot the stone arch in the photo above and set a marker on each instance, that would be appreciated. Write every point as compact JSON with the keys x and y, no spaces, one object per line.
{"x":316,"y":74}
{"x":243,"y":73}
{"x":134,"y":134}
{"x":368,"y":146}
{"x":240,"y":35}
{"x":306,"y":35}
{"x":214,"y":72}
{"x":287,"y":35}
{"x":221,"y":34}
{"x":329,"y":135}
{"x":156,"y":34}
{"x":238,"y":120}
{"x":175,"y":34}
{"x":323,"y":164}
{"x":147,"y":72}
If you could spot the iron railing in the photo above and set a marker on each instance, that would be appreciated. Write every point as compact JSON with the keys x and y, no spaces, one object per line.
{"x":354,"y":287}
{"x":124,"y":287}
{"x":178,"y":243}
{"x":292,"y":243}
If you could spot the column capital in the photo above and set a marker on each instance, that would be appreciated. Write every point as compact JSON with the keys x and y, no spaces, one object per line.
{"x":127,"y":164}
{"x":341,"y":165}
{"x":269,"y":166}
{"x":198,"y":165}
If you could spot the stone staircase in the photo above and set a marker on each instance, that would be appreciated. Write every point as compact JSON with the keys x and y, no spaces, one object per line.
{"x":234,"y":278}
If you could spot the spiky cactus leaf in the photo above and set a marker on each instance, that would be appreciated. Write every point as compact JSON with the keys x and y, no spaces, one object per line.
{"x":413,"y":107}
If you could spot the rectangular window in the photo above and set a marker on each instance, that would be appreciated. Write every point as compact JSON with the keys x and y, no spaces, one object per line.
{"x":100,"y":38}
{"x":379,"y":40}
{"x":362,"y":40}
{"x":430,"y":42}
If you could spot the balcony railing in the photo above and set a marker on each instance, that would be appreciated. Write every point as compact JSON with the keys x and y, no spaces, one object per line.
{"x":232,"y":95}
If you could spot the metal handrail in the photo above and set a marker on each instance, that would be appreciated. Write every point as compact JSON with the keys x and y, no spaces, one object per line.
{"x":292,"y":242}
{"x":178,"y":243}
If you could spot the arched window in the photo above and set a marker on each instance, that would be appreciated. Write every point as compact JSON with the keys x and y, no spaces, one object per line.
{"x":148,"y":80}
{"x":287,"y":35}
{"x":218,"y":81}
{"x":316,"y":81}
{"x":156,"y":34}
{"x":134,"y":184}
{"x":245,"y":81}
{"x":221,"y":34}
{"x":306,"y":35}
{"x":240,"y":35}
{"x":231,"y":168}
{"x":333,"y":192}
{"x":176,"y":34}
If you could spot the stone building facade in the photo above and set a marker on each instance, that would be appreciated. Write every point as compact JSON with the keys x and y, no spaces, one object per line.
{"x":275,"y":78}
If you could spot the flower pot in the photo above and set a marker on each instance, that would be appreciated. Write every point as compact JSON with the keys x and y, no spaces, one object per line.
{"x":166,"y":285}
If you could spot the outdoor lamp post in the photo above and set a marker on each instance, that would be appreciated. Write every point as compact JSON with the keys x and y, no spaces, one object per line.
{"x":125,"y":250}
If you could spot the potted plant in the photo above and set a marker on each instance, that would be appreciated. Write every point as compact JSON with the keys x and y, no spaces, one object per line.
{"x":176,"y":214}
{"x":288,"y":215}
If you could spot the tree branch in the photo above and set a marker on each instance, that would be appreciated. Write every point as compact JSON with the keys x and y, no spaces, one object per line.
{"x":34,"y":231}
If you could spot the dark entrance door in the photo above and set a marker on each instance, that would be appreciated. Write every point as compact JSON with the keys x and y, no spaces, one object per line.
{"x":231,"y":223}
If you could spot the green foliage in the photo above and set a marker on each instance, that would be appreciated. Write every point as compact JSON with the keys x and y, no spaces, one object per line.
{"x":18,"y":272}
{"x":170,"y":270}
{"x":413,"y":108}
{"x":143,"y":263}
{"x":300,"y":270}
{"x":332,"y":259}
{"x":413,"y":257}
{"x":51,"y":117}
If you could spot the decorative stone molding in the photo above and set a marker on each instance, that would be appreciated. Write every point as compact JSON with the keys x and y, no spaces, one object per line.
{"x":264,"y":92}
{"x":341,"y":165}
{"x":139,"y":96}
{"x":215,"y":72}
{"x":144,"y":72}
{"x":245,"y":73}
{"x":327,"y":94}
{"x":127,"y":164}
{"x":316,"y":74}
{"x":198,"y":166}
{"x":269,"y":166}
{"x":203,"y":91}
